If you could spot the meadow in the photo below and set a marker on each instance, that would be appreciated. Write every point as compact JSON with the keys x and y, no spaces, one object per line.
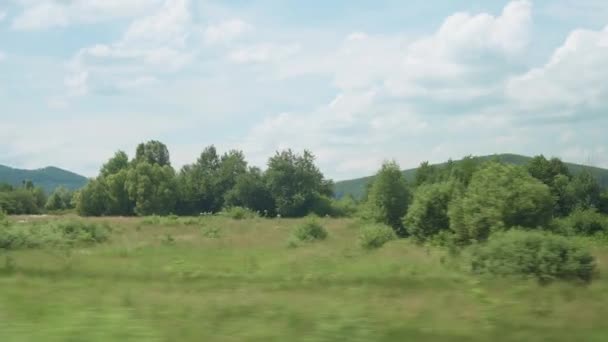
{"x":214,"y":278}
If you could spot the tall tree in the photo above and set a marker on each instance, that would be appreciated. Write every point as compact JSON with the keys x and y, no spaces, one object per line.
{"x":153,"y":152}
{"x":152,"y":188}
{"x":388,"y":198}
{"x":119,"y":162}
{"x":251,"y":191}
{"x":295,"y":182}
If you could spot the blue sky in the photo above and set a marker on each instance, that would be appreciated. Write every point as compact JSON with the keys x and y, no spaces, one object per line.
{"x":356,"y":82}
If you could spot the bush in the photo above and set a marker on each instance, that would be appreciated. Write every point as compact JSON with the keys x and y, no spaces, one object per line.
{"x":52,"y":234}
{"x":427,"y":216}
{"x":376,"y":235}
{"x":239,"y":213}
{"x":498,"y":198}
{"x":542,"y":255}
{"x":3,"y":219}
{"x":151,"y":220}
{"x":582,"y":222}
{"x":309,"y":231}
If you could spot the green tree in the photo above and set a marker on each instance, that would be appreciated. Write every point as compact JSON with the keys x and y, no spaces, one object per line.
{"x":93,"y":199}
{"x":250,"y":191}
{"x":388,"y":198}
{"x":60,"y":199}
{"x":603,"y":205}
{"x":500,"y":197}
{"x":199,"y":186}
{"x":296,"y":183}
{"x":428,"y":213}
{"x":425,"y":174}
{"x":555,"y":174}
{"x":152,"y":152}
{"x":116,"y":164}
{"x":585,"y":189}
{"x":152,"y":188}
{"x":119,"y":202}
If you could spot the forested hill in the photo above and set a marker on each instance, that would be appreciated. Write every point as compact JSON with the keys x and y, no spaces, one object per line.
{"x":49,"y":178}
{"x":356,"y":187}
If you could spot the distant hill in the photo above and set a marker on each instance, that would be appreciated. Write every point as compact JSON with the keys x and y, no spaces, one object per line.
{"x":49,"y":178}
{"x":356,"y":187}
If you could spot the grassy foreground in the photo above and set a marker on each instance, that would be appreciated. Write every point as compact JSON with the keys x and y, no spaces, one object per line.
{"x":217,"y":279}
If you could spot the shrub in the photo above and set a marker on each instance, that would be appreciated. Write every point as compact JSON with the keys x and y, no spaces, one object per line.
{"x":582,"y":222}
{"x":498,"y":198}
{"x":3,"y":219}
{"x":309,"y":231}
{"x":239,"y":213}
{"x":542,"y":255}
{"x":375,"y":235}
{"x":75,"y":232}
{"x":211,"y":232}
{"x":428,"y":214}
{"x":151,"y":220}
{"x":52,"y":234}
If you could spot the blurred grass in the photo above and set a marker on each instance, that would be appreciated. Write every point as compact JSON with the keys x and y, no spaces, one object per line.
{"x":242,"y":283}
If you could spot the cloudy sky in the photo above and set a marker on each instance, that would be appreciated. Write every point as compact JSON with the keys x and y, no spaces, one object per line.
{"x":355,"y":81}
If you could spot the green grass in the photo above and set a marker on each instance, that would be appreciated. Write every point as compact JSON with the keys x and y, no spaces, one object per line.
{"x":242,"y":283}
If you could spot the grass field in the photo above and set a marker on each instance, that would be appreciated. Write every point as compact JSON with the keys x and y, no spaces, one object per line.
{"x":217,"y":279}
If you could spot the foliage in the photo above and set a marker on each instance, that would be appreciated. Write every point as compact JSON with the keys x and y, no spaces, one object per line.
{"x":152,"y":152}
{"x":582,"y":222}
{"x":428,"y":213}
{"x":344,"y":207}
{"x":388,"y":198}
{"x":250,"y":191}
{"x":585,"y":189}
{"x":205,"y":184}
{"x":239,"y":213}
{"x":60,"y":199}
{"x":375,"y":235}
{"x":310,"y":230}
{"x":542,"y":255}
{"x":51,"y":234}
{"x":93,"y":199}
{"x":152,"y":188}
{"x":116,"y":164}
{"x":499,"y":197}
{"x":295,"y":183}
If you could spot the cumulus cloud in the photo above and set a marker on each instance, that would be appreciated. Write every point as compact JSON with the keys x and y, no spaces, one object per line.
{"x":156,"y":43}
{"x":387,"y":83}
{"x":45,"y":14}
{"x":572,"y":82}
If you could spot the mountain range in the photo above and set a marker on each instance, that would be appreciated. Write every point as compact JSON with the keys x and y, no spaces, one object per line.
{"x":49,"y":178}
{"x":356,"y":187}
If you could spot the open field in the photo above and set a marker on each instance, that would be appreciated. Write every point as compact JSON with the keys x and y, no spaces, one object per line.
{"x":217,"y":279}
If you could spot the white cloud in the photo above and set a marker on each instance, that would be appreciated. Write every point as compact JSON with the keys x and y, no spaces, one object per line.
{"x":44,"y":14}
{"x":2,"y":56}
{"x":2,"y":15}
{"x":153,"y":44}
{"x":264,"y":53}
{"x":574,"y":78}
{"x":226,"y":31}
{"x":455,"y":61}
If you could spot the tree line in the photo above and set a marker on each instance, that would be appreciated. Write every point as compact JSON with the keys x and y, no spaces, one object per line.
{"x":291,"y":186}
{"x":467,"y":201}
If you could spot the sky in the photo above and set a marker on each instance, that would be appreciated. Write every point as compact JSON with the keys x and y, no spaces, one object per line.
{"x":356,"y":82}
